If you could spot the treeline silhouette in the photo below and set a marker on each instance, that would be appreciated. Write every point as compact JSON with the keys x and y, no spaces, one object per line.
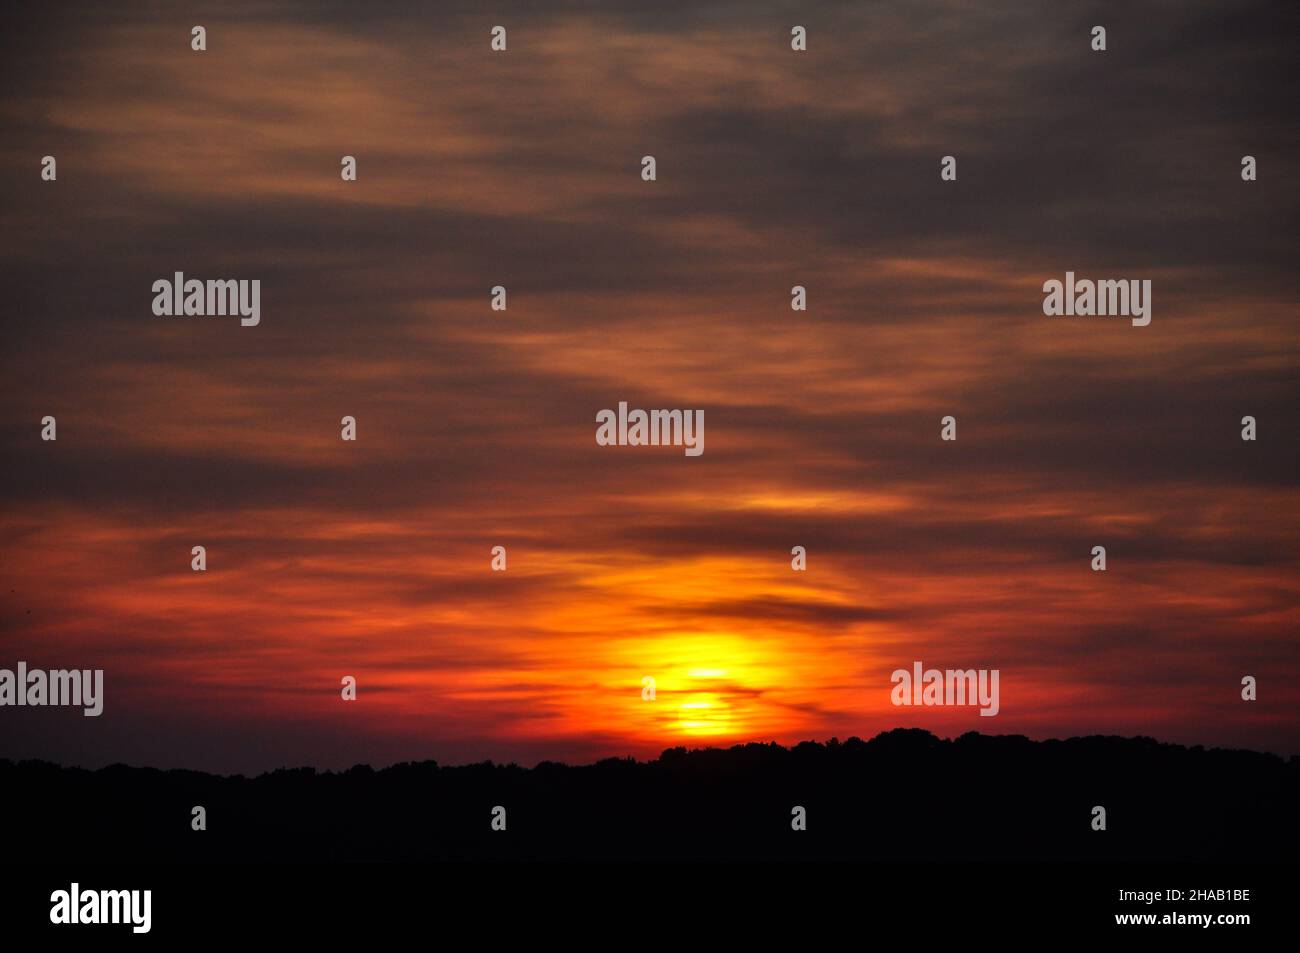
{"x":905,"y":795}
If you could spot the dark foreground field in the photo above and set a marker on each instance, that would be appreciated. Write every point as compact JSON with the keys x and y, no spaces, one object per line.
{"x":904,"y":795}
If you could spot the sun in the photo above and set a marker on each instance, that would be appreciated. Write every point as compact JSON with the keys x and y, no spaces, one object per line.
{"x":705,"y":711}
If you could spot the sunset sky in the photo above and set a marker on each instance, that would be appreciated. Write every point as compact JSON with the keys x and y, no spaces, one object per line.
{"x":477,"y":428}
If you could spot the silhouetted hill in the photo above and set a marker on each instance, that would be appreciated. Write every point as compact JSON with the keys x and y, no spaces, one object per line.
{"x":904,"y":795}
